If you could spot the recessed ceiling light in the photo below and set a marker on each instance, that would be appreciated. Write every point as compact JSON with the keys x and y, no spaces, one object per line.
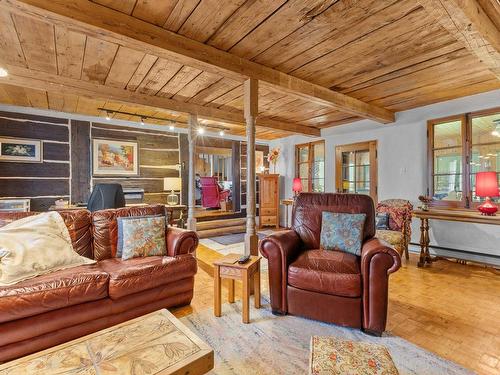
{"x":221,"y":133}
{"x":142,"y":120}
{"x":201,"y":130}
{"x":171,"y":127}
{"x":3,"y":72}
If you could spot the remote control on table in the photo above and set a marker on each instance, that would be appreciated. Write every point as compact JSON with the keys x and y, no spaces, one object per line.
{"x":244,"y":259}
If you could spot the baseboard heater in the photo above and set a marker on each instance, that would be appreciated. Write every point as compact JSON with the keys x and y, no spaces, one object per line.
{"x":459,"y":251}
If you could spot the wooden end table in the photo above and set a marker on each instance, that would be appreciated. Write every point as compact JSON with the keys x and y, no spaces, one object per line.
{"x":228,"y":268}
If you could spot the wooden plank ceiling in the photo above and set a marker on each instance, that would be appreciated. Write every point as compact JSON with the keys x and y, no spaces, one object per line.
{"x":386,"y":53}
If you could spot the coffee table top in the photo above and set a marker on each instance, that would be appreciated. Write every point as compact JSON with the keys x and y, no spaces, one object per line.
{"x":231,"y":260}
{"x":157,"y":343}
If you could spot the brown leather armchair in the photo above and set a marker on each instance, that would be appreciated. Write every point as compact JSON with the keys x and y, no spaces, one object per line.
{"x":330,"y":286}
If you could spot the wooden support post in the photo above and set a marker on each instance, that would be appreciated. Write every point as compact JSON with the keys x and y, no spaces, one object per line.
{"x":251,"y":111}
{"x":193,"y":124}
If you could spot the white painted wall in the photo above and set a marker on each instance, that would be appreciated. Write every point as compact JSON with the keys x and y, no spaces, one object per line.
{"x":402,"y":167}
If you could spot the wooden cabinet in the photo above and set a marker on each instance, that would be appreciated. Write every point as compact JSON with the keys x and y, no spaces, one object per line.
{"x":269,"y":200}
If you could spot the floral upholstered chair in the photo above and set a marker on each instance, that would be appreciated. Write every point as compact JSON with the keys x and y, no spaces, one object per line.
{"x":398,"y":233}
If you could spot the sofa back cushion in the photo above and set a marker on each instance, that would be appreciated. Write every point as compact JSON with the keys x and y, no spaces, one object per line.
{"x":309,"y":207}
{"x":77,"y":222}
{"x":105,"y":227}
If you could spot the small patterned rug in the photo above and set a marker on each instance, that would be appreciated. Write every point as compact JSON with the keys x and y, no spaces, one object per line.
{"x":280,"y":344}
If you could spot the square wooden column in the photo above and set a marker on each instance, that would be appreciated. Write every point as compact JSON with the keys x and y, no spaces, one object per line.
{"x":251,"y":108}
{"x":192,"y":126}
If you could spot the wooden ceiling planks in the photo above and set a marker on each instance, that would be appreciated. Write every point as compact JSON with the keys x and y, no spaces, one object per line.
{"x":99,"y":55}
{"x":242,"y":22}
{"x":389,"y":53}
{"x":342,"y":14}
{"x":70,"y":47}
{"x":125,"y":64}
{"x":10,"y":46}
{"x":37,"y":42}
{"x":200,"y":27}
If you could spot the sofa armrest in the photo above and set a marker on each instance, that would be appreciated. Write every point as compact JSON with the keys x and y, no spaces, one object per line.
{"x":378,"y":260}
{"x":180,"y":241}
{"x":280,"y":249}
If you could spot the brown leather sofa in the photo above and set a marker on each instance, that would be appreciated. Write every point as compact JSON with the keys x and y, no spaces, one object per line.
{"x":330,"y":286}
{"x":54,"y":308}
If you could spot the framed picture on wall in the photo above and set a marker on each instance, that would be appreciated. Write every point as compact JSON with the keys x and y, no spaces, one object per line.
{"x":111,"y":157}
{"x":21,"y":150}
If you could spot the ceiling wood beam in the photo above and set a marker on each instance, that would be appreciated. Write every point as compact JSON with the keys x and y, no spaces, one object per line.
{"x":467,"y":22}
{"x":99,"y":21}
{"x":23,"y":77}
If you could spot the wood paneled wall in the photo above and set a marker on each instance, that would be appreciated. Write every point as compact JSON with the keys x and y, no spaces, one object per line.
{"x":42,"y":182}
{"x":66,"y":171}
{"x":158,"y":158}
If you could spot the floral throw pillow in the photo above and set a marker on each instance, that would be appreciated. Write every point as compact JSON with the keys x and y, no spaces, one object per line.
{"x":141,"y":236}
{"x":342,"y":231}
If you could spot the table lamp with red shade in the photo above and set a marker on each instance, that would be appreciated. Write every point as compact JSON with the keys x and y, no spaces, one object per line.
{"x":487,"y":187}
{"x":297,"y":186}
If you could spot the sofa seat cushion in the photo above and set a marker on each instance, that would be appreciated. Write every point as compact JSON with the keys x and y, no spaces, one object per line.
{"x":53,"y":291}
{"x":139,"y":274}
{"x":326,"y":271}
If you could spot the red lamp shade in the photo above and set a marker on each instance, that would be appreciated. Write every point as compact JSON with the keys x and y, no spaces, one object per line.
{"x":297,"y":185}
{"x":487,"y":186}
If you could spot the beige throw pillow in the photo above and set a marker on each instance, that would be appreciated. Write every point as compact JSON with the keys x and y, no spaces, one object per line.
{"x":34,"y":246}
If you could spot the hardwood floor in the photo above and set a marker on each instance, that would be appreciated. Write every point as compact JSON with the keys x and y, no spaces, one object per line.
{"x":450,"y":309}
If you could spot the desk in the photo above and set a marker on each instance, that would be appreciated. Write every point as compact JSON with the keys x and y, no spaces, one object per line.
{"x":286,"y":203}
{"x":464,"y":216}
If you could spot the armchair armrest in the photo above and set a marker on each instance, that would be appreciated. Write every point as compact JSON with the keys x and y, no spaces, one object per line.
{"x":180,"y":241}
{"x":280,"y":249}
{"x":378,"y":260}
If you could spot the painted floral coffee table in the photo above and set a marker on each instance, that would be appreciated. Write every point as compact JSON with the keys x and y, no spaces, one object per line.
{"x":157,"y":343}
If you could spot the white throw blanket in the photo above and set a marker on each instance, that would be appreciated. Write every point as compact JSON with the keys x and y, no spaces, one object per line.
{"x":34,"y":246}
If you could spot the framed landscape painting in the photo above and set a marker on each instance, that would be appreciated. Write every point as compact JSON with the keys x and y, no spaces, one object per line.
{"x":21,"y":150}
{"x":111,"y":157}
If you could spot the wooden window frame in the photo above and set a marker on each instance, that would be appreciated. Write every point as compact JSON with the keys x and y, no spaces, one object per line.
{"x":310,"y":161}
{"x":466,"y":118}
{"x":371,"y":146}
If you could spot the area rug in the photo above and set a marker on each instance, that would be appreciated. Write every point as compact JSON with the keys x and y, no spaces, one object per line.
{"x":280,"y":344}
{"x":231,"y":239}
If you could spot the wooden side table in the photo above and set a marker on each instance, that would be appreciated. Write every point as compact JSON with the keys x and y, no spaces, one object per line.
{"x":228,"y":268}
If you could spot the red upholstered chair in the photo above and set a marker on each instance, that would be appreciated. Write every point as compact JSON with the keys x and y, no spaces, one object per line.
{"x":327,"y":285}
{"x":211,"y":193}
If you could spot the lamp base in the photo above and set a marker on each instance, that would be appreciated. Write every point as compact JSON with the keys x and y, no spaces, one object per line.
{"x":172,"y":199}
{"x":488,"y":208}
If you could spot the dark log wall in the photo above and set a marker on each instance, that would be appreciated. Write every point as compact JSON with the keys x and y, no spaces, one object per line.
{"x":42,"y":182}
{"x":66,"y":171}
{"x":158,"y":158}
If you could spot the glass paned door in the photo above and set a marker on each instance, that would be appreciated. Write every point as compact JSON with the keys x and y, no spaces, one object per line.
{"x":310,"y":166}
{"x":356,"y":169}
